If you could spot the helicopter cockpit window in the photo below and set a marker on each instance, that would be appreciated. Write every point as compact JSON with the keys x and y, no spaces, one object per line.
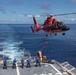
{"x":60,"y":23}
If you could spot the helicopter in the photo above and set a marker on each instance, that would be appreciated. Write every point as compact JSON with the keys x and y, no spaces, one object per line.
{"x":51,"y":25}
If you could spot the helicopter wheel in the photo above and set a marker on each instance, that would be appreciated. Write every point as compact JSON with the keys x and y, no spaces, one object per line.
{"x":46,"y":35}
{"x":63,"y":33}
{"x":55,"y":34}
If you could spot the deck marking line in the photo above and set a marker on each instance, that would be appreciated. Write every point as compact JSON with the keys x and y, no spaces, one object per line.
{"x":18,"y":72}
{"x":42,"y":74}
{"x":49,"y":73}
{"x":56,"y":69}
{"x":34,"y":74}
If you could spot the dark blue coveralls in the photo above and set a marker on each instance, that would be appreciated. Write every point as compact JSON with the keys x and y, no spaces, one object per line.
{"x":5,"y":64}
{"x":38,"y":61}
{"x":28,"y":63}
{"x":14,"y":63}
{"x":22,"y":62}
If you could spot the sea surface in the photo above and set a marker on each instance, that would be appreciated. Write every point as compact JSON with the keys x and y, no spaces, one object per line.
{"x":17,"y":41}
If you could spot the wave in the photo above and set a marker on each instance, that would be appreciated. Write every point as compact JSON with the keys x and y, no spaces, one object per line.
{"x":12,"y":50}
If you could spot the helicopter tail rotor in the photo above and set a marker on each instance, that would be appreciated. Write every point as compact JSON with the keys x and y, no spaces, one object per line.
{"x":36,"y":26}
{"x":32,"y":29}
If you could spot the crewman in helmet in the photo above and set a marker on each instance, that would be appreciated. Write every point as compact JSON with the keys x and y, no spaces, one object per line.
{"x":5,"y":64}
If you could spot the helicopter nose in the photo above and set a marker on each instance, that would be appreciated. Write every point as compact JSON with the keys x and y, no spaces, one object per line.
{"x":65,"y":28}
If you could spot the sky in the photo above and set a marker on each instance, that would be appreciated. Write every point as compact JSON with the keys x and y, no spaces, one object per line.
{"x":15,"y":11}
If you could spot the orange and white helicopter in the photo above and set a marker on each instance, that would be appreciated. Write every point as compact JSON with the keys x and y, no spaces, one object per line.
{"x":51,"y":25}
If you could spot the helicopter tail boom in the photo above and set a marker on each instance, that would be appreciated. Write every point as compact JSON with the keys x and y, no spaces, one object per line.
{"x":36,"y":26}
{"x":32,"y":29}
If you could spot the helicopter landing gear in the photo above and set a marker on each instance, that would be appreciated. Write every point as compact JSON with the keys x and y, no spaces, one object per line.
{"x":46,"y":35}
{"x":55,"y":34}
{"x":63,"y":33}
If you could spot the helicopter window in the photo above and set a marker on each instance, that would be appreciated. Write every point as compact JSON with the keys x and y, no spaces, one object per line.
{"x":60,"y":24}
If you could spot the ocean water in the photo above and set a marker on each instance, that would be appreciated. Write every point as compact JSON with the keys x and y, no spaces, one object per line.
{"x":17,"y":40}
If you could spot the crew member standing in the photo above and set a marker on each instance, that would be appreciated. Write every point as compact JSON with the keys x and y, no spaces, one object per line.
{"x":14,"y":63}
{"x":28,"y":62}
{"x":5,"y":64}
{"x":22,"y":62}
{"x":38,"y":61}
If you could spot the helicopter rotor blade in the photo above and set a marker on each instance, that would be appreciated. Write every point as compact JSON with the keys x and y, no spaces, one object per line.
{"x":46,"y":15}
{"x":33,"y":15}
{"x":64,"y":14}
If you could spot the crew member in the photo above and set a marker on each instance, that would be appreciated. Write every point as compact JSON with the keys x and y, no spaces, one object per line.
{"x":28,"y":63}
{"x":14,"y":63}
{"x":38,"y":61}
{"x":5,"y":64}
{"x":22,"y":62}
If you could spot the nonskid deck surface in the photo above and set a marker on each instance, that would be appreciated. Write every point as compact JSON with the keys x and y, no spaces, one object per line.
{"x":45,"y":69}
{"x":69,"y":68}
